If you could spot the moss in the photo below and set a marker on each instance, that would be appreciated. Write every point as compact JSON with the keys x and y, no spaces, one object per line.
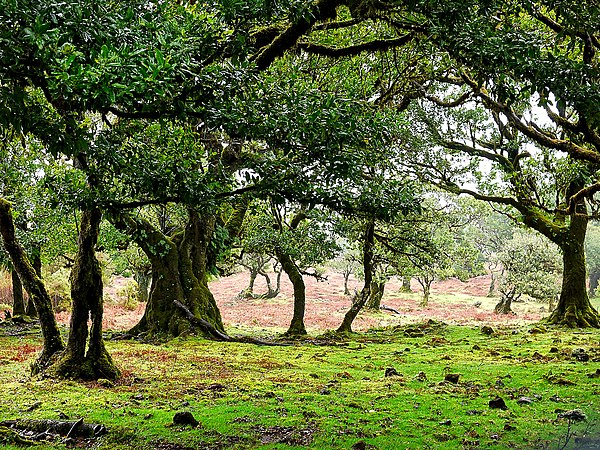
{"x":9,"y":437}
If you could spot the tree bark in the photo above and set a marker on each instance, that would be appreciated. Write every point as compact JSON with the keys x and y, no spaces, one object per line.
{"x":574,"y":308}
{"x":594,"y":279}
{"x":296,"y":327}
{"x":360,"y":300}
{"x":36,"y":261}
{"x":346,"y":278}
{"x":52,"y":341}
{"x":142,"y":278}
{"x":88,"y":305}
{"x":178,"y":274}
{"x":406,"y":285}
{"x":17,"y":293}
{"x":504,"y":305}
{"x":377,"y":291}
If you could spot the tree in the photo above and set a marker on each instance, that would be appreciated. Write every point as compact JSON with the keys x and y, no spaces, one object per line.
{"x":531,"y":266}
{"x":592,"y":253}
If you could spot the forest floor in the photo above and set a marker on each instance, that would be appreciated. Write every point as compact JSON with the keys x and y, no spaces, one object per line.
{"x":425,"y":379}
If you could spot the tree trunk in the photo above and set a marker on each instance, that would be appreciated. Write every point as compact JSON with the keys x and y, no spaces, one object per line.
{"x":361,"y":298}
{"x":377,"y":291}
{"x":88,"y":305}
{"x":142,"y":278}
{"x":425,"y":299}
{"x":179,"y":274}
{"x":346,"y":277}
{"x":504,"y":305}
{"x":17,"y":293}
{"x":297,"y":327}
{"x":52,"y":341}
{"x":406,"y":285}
{"x":594,"y":278}
{"x":574,"y":308}
{"x":36,"y":261}
{"x":492,"y":288}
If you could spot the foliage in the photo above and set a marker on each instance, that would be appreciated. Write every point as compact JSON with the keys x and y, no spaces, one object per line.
{"x":532,"y":266}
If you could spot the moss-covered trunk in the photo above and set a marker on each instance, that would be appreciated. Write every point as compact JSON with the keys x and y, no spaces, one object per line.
{"x":296,"y":327}
{"x":574,"y":308}
{"x":52,"y":341}
{"x":504,"y":305}
{"x":17,"y":294}
{"x":85,"y":356}
{"x":361,"y":298}
{"x":377,"y":291}
{"x":406,"y":285}
{"x":179,"y":275}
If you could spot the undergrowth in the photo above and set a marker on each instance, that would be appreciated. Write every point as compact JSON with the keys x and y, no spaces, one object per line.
{"x":329,"y":392}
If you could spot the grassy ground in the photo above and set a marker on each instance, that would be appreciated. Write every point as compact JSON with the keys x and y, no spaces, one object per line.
{"x":328,"y":393}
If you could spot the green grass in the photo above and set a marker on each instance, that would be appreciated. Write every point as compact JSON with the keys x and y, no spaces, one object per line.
{"x":326,"y":393}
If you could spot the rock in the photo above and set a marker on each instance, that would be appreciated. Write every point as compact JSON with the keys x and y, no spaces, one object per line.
{"x":360,"y":445}
{"x":554,"y":350}
{"x":509,"y":427}
{"x":34,"y":406}
{"x":538,"y":329}
{"x":473,"y":412}
{"x":580,"y":355}
{"x":446,"y":422}
{"x":325,"y":391}
{"x":487,"y":330}
{"x":185,"y":418}
{"x":498,"y":403}
{"x":421,"y":376}
{"x":525,"y":401}
{"x":452,"y":377}
{"x":105,"y":383}
{"x":574,"y":415}
{"x":476,"y":347}
{"x":391,"y":372}
{"x":477,"y":304}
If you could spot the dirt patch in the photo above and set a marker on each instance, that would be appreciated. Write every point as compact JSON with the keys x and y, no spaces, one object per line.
{"x":285,"y":435}
{"x":452,"y":301}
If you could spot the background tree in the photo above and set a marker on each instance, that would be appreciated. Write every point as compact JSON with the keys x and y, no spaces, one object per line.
{"x":531,"y":266}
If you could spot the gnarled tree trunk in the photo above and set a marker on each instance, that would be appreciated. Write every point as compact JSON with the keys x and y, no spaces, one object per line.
{"x":377,"y":291}
{"x":88,"y":305}
{"x":179,"y":277}
{"x":361,"y":298}
{"x":52,"y":341}
{"x":17,"y":294}
{"x":296,"y":327}
{"x":574,"y":308}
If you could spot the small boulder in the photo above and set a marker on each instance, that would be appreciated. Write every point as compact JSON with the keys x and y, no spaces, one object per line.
{"x":487,"y":330}
{"x":452,"y":377}
{"x":525,"y":401}
{"x":498,"y":403}
{"x":185,"y":418}
{"x":574,"y":415}
{"x":580,"y":355}
{"x":360,"y":445}
{"x":391,"y":372}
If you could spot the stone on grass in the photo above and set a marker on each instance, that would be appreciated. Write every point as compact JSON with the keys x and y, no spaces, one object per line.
{"x":498,"y":403}
{"x":574,"y":415}
{"x":580,"y":355}
{"x":185,"y":418}
{"x":391,"y":372}
{"x":487,"y":330}
{"x":452,"y":377}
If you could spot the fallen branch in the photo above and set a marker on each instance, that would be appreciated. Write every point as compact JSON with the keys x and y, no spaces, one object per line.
{"x":219,"y":335}
{"x":42,"y":429}
{"x":387,"y":308}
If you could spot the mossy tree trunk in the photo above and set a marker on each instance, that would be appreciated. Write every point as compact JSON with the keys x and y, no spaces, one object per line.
{"x":36,"y":262}
{"x":296,"y":327}
{"x":574,"y":308}
{"x":377,"y":291}
{"x":406,"y":285}
{"x":85,"y":356}
{"x":359,"y":301}
{"x":17,"y":294}
{"x":594,"y":279}
{"x":504,"y":306}
{"x":52,"y":341}
{"x":179,"y":274}
{"x":142,"y":278}
{"x":347,"y":273}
